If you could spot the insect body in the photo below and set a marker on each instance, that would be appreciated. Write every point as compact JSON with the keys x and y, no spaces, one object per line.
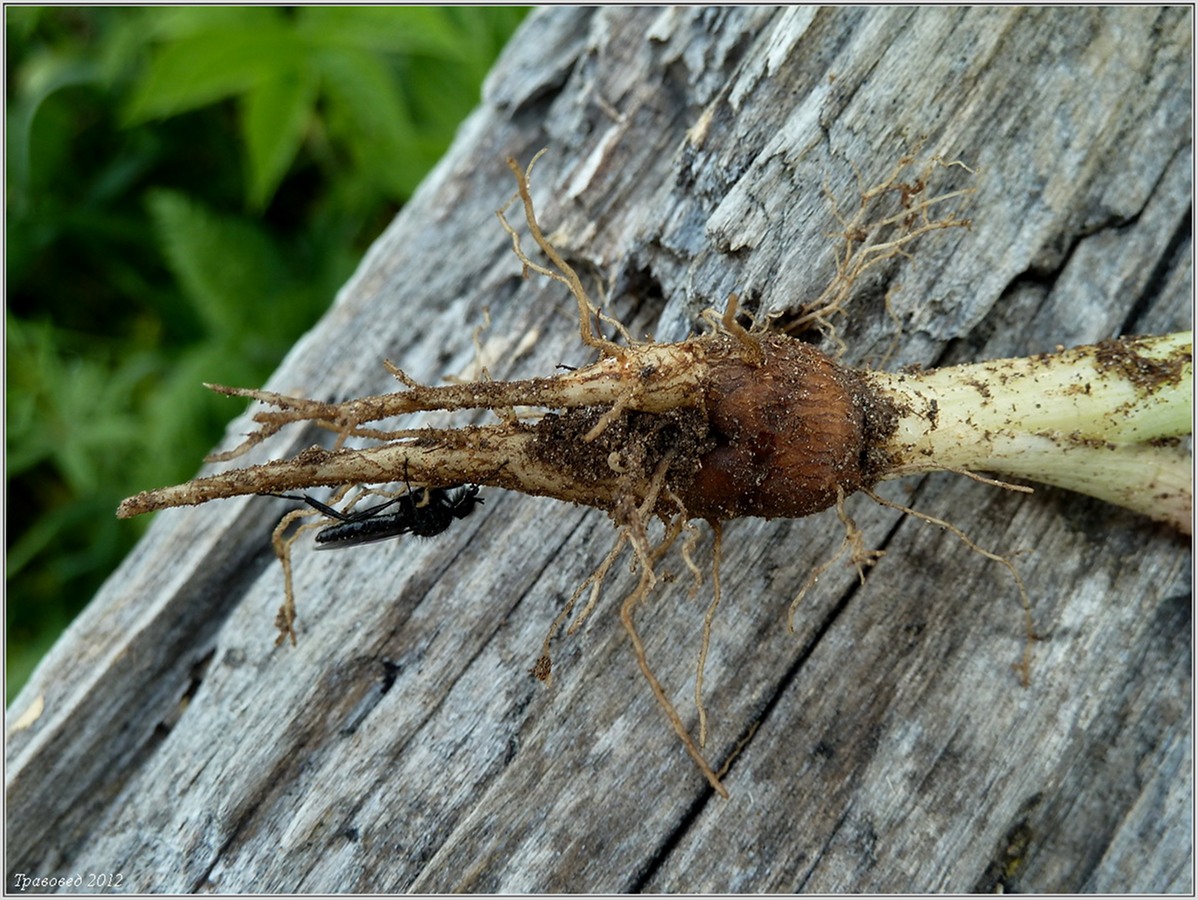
{"x":424,"y":512}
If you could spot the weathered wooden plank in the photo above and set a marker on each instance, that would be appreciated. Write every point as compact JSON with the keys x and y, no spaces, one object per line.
{"x":401,"y":745}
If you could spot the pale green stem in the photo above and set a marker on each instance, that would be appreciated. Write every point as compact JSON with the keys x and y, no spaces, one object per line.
{"x":1102,"y":420}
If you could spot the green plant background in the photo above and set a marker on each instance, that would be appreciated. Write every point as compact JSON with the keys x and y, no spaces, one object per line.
{"x":187,"y":189}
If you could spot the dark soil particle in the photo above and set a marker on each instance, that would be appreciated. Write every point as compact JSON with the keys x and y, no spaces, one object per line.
{"x":1122,"y":356}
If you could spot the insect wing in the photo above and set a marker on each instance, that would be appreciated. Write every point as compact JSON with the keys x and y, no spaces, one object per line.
{"x":363,"y":531}
{"x":437,"y":512}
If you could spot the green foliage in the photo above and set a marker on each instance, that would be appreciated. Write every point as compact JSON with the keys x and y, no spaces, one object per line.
{"x":187,"y":189}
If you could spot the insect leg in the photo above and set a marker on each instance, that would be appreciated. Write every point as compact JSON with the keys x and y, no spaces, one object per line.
{"x":336,"y":513}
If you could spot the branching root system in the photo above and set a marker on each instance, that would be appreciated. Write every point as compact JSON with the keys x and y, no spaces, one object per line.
{"x":731,"y":423}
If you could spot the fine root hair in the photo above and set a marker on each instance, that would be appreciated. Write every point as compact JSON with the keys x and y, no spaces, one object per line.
{"x":870,"y":235}
{"x":1024,"y":666}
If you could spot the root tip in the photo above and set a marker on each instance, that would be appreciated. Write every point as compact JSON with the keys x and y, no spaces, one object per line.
{"x":135,"y":506}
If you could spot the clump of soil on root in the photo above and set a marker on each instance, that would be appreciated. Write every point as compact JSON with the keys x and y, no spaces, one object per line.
{"x":631,"y":447}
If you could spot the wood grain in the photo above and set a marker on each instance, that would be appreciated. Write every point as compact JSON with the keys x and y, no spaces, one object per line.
{"x":403,"y":746}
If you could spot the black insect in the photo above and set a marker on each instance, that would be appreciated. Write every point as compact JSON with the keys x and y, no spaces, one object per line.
{"x":423,"y":512}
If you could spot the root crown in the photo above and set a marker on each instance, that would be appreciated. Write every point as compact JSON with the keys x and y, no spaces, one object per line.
{"x":790,"y":431}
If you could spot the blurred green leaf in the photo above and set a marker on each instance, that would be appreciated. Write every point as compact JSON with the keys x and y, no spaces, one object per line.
{"x":212,"y":64}
{"x":368,"y":113}
{"x":225,"y":264}
{"x":275,"y":116}
{"x":167,"y":23}
{"x":42,"y":77}
{"x":421,"y":29}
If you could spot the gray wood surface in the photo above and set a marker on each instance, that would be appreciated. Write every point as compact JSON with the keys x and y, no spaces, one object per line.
{"x":403,"y":746}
